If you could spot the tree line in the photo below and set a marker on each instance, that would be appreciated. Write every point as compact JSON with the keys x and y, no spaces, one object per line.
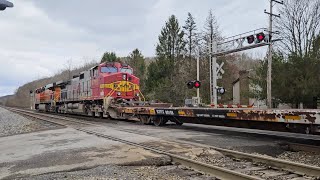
{"x":178,"y":45}
{"x":296,"y":59}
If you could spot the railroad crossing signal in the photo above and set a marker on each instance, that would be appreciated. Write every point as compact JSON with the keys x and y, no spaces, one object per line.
{"x":244,"y":41}
{"x":260,"y":37}
{"x":250,"y":39}
{"x":257,"y":38}
{"x":193,"y":84}
{"x":240,"y":42}
{"x":220,"y":71}
{"x":221,"y":90}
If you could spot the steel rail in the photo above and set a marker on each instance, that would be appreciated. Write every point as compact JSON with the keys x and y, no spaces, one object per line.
{"x":221,"y":173}
{"x":287,"y":165}
{"x":302,"y":147}
{"x":290,"y":166}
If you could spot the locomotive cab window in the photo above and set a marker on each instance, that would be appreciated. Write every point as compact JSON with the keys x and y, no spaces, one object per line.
{"x":126,"y":70}
{"x":109,"y":69}
{"x":94,"y":72}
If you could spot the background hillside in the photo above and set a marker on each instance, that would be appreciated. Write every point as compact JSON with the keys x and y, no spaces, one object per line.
{"x":233,"y":64}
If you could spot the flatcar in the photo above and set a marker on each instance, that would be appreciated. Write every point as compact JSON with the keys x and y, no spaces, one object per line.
{"x":112,"y":90}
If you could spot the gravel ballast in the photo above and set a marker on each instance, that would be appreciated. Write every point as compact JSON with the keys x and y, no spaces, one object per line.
{"x":125,"y":172}
{"x":310,"y":158}
{"x":12,"y":123}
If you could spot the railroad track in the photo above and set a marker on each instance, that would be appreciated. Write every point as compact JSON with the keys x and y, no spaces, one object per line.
{"x":286,"y":167}
{"x":300,"y":147}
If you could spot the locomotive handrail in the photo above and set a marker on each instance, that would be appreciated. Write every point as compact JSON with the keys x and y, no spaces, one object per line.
{"x":144,"y":99}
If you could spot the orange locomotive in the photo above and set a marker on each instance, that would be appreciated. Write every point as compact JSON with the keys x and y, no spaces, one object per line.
{"x":91,"y":92}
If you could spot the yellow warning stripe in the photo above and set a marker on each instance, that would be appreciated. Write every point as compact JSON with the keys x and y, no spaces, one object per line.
{"x":121,"y":86}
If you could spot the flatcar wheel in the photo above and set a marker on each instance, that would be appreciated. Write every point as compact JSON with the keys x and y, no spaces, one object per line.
{"x":179,"y":123}
{"x":158,"y":121}
{"x":100,"y":115}
{"x":145,"y":119}
{"x":307,"y":130}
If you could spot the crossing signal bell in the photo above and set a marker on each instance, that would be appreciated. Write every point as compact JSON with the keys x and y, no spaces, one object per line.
{"x":193,"y":84}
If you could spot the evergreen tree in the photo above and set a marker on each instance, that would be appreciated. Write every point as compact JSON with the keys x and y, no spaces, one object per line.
{"x":109,"y":57}
{"x":171,"y":43}
{"x":163,"y":73}
{"x":190,"y":29}
{"x":137,"y":62}
{"x":295,"y":79}
{"x":191,"y":39}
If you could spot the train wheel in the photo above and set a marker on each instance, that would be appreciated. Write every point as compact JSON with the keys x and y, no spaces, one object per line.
{"x":158,"y":121}
{"x":179,"y":123}
{"x":145,"y":119}
{"x":100,"y":115}
{"x":307,"y":131}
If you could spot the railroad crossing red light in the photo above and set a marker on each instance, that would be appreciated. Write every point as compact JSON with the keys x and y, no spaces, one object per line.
{"x":193,"y":84}
{"x":260,"y":37}
{"x":197,"y":84}
{"x":250,"y":39}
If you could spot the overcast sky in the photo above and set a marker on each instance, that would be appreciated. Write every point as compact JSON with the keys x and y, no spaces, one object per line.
{"x":37,"y":37}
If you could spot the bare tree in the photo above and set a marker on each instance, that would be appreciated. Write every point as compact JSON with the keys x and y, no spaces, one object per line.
{"x":211,"y":30}
{"x":298,"y":26}
{"x":68,"y":67}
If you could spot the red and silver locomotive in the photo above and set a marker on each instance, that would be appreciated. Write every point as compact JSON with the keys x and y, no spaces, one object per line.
{"x":91,"y":92}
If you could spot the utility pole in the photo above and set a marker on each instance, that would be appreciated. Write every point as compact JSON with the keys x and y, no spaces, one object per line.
{"x":269,"y":74}
{"x":210,"y":72}
{"x":214,"y":76}
{"x":198,"y":75}
{"x":213,"y":73}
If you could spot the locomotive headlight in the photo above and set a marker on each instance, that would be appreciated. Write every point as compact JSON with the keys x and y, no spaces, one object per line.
{"x":124,"y":76}
{"x":137,"y":94}
{"x":118,"y":93}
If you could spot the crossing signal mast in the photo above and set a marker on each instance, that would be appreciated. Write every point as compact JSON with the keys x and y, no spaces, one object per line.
{"x":248,"y":40}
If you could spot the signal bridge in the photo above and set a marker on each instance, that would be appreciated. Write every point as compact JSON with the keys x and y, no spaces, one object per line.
{"x":248,"y":40}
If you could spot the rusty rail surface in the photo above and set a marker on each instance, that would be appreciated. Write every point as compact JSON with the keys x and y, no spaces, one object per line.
{"x":221,"y":173}
{"x":287,"y":165}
